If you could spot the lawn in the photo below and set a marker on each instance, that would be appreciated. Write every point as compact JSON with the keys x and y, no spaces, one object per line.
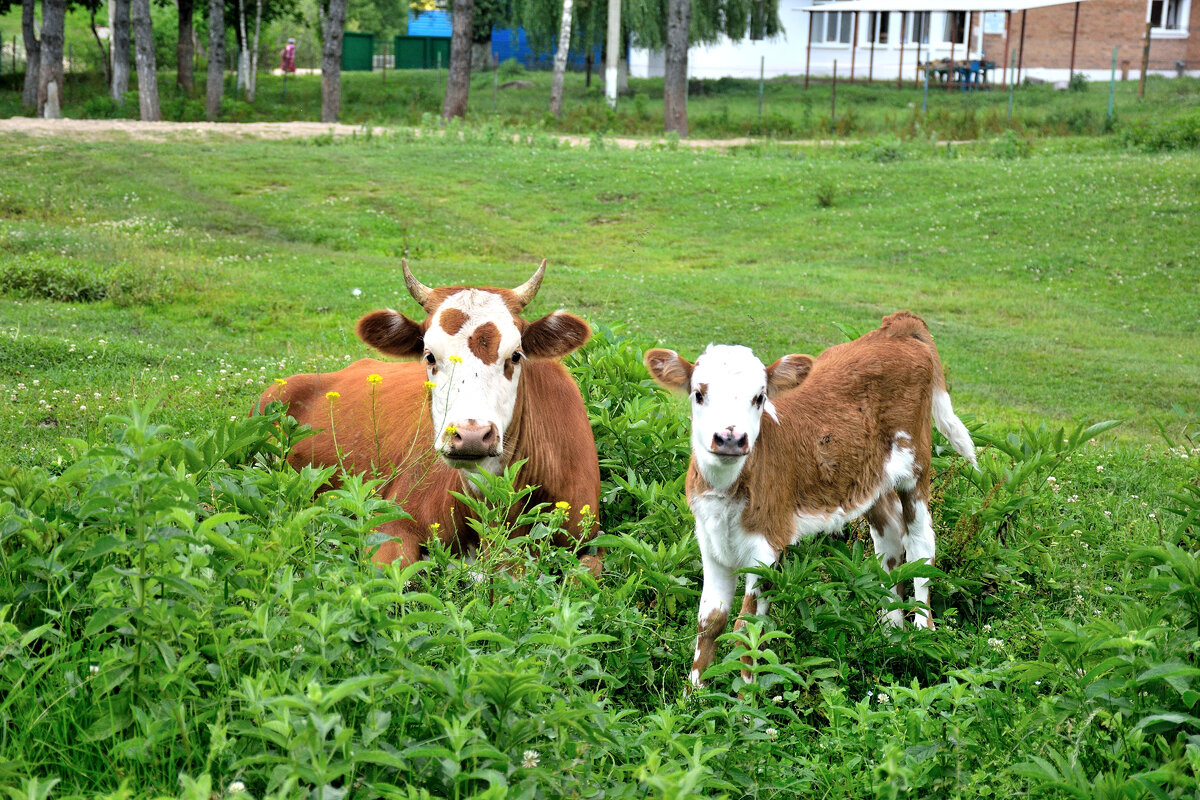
{"x":182,"y":614}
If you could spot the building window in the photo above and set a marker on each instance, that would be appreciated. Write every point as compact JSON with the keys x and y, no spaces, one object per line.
{"x":878,"y":27}
{"x":832,"y":27}
{"x":956,"y":27}
{"x":1168,"y":15}
{"x":920,"y":27}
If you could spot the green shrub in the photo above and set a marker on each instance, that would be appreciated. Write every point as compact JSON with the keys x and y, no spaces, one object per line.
{"x":83,"y":281}
{"x":1181,"y":133}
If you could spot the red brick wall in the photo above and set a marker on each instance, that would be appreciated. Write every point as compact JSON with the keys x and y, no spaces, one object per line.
{"x":1103,"y":25}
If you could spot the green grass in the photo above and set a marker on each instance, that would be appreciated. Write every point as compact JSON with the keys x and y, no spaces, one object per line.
{"x":181,"y":611}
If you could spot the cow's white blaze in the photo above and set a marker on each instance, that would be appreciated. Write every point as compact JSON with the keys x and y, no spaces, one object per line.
{"x":728,"y":396}
{"x":470,"y":345}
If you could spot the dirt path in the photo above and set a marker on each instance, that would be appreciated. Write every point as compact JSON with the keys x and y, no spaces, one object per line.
{"x":97,"y":129}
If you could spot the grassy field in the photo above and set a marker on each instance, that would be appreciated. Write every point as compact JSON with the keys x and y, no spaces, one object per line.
{"x":182,"y":615}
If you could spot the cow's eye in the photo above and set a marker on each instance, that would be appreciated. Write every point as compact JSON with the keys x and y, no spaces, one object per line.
{"x":759,"y":399}
{"x":517,"y":356}
{"x":698,"y":396}
{"x":429,"y":359}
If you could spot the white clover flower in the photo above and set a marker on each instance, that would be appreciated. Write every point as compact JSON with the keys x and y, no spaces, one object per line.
{"x":771,"y":733}
{"x":883,"y":698}
{"x":237,"y":787}
{"x":357,"y":292}
{"x":530,"y":759}
{"x":94,"y":670}
{"x":996,"y":644}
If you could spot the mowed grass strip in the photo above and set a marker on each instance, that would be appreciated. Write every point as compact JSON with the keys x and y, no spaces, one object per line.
{"x":1059,"y":287}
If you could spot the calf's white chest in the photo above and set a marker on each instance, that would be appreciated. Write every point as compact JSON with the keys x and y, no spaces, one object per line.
{"x":722,"y":537}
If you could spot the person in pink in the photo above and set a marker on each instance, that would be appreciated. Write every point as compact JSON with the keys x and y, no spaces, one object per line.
{"x":287,"y":57}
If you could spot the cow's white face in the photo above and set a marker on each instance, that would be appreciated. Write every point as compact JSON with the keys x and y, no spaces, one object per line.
{"x":473,"y":358}
{"x":474,"y":345}
{"x":730,"y":390}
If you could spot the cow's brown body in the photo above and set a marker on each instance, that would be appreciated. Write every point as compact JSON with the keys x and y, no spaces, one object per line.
{"x":395,"y":426}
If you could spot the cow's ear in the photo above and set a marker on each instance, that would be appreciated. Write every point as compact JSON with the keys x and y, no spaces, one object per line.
{"x":554,"y":335}
{"x":669,"y":369}
{"x":788,"y":373}
{"x":392,"y":333}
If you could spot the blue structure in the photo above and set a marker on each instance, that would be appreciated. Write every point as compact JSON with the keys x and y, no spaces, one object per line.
{"x":429,"y":23}
{"x":506,"y":42}
{"x":513,"y":43}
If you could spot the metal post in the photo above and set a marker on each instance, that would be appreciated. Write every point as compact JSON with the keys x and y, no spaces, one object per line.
{"x":439,"y":71}
{"x":1112,"y":85}
{"x":1145,"y":62}
{"x":1021,"y":50}
{"x":854,"y":43}
{"x":1074,"y":37}
{"x":833,"y":97}
{"x":762,"y":66}
{"x":871,"y":63}
{"x":808,"y":55}
{"x":496,"y":90}
{"x":900,"y":67}
{"x":950,"y":64}
{"x":385,"y":48}
{"x":1010,"y":87}
{"x":920,"y":34}
{"x":925,"y":96}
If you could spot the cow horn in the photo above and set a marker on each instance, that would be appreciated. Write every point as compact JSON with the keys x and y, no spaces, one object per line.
{"x":529,"y":289}
{"x":418,"y":290}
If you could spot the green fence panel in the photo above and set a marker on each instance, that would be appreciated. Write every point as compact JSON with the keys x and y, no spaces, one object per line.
{"x":421,"y":52}
{"x":358,"y":52}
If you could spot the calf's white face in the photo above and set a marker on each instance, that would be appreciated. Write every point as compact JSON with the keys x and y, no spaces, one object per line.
{"x":730,"y":390}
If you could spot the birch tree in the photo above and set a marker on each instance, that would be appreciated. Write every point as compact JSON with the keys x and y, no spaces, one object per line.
{"x":252,"y":86}
{"x":185,"y":52}
{"x":50,"y":70}
{"x":120,"y":51}
{"x":458,"y":81}
{"x":147,"y":68}
{"x":33,"y":53}
{"x":560,"y":59}
{"x":333,"y":27}
{"x":216,"y":58}
{"x":679,"y":17}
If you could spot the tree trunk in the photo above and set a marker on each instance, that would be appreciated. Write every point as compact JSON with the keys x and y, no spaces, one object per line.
{"x":33,"y":53}
{"x":50,"y":71}
{"x":331,"y":60}
{"x":252,"y":86}
{"x":185,"y":54}
{"x":243,"y":59}
{"x":120,"y":51}
{"x":147,"y":68}
{"x":560,"y":59}
{"x":679,"y":13}
{"x":100,"y":46}
{"x":458,"y":82}
{"x":216,"y":58}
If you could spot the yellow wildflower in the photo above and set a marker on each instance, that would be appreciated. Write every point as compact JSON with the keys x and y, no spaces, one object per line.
{"x":374,"y":379}
{"x":331,"y":396}
{"x":451,"y":430}
{"x":562,"y":505}
{"x":455,"y":359}
{"x":587,"y":509}
{"x":429,"y":386}
{"x":281,"y":381}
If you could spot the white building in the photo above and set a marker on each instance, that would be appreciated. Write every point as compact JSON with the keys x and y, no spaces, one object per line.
{"x":928,"y":36}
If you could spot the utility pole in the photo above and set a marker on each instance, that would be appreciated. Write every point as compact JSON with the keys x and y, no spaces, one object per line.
{"x":612,"y":49}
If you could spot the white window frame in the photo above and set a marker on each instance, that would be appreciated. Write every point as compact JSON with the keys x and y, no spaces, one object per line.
{"x":1157,"y":30}
{"x":871,"y":34}
{"x":819,"y":28}
{"x":915,"y":21}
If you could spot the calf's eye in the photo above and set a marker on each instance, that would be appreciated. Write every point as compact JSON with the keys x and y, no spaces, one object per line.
{"x":758,"y":400}
{"x":698,"y":396}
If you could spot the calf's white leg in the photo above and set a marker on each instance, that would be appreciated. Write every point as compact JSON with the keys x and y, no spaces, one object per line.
{"x":886,"y":522}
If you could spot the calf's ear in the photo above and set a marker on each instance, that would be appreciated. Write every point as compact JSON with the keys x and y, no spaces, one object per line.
{"x":669,"y":369}
{"x":788,"y":373}
{"x":554,"y":335}
{"x":392,"y":333}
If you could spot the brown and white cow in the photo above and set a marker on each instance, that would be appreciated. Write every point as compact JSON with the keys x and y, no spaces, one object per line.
{"x":802,"y":447}
{"x":487,"y":391}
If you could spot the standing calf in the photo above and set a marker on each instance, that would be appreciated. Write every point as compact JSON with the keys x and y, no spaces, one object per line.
{"x":845,"y":436}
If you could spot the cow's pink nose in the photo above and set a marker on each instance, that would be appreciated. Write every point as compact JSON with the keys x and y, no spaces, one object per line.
{"x":730,"y":443}
{"x":471,"y":440}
